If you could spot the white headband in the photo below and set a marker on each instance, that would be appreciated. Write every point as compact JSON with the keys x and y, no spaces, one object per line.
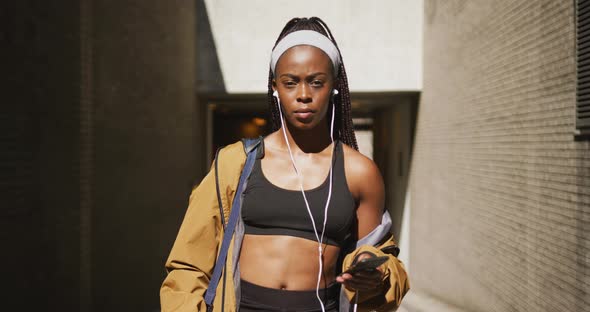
{"x":305,"y":37}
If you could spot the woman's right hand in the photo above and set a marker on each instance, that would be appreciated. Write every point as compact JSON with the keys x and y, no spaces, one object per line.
{"x":362,"y":280}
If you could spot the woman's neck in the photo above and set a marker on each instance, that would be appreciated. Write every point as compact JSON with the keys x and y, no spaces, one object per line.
{"x":308,"y":141}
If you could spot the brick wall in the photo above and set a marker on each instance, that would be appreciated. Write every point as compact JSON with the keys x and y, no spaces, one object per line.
{"x":500,"y":189}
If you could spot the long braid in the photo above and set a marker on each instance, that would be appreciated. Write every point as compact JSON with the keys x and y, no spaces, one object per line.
{"x":347,"y":128}
{"x":343,"y":119}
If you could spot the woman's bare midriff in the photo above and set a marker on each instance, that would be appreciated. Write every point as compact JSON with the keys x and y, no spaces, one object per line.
{"x":285,"y":262}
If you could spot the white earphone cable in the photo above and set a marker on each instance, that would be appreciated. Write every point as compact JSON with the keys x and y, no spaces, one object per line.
{"x":318,"y":236}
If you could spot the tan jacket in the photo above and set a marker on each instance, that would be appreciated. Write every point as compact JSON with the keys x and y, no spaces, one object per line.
{"x":192,"y":258}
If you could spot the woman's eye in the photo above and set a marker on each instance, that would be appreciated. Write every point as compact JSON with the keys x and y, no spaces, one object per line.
{"x":317,"y":83}
{"x":290,"y":83}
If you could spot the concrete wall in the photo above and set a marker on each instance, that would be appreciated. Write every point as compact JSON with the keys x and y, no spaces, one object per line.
{"x":147,"y":138}
{"x":500,"y":189}
{"x":100,"y":149}
{"x":40,"y":156}
{"x":380,"y":40}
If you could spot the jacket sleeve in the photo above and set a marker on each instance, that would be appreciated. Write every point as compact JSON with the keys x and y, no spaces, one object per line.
{"x":192,"y":258}
{"x":395,"y":284}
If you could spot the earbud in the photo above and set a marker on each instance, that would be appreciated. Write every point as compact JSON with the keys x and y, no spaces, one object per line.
{"x":276,"y":94}
{"x":335,"y":92}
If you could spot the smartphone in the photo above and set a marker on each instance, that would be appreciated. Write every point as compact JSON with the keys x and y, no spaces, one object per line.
{"x":367,"y":264}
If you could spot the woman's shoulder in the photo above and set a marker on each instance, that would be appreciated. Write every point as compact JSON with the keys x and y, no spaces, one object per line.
{"x":235,"y":149}
{"x":356,"y":161}
{"x":360,"y":169}
{"x":239,"y":147}
{"x":232,"y":154}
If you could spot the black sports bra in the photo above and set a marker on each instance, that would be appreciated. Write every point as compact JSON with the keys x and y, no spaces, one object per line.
{"x":270,"y":210}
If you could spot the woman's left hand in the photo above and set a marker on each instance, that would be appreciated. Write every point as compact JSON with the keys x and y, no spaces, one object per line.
{"x":362,"y":280}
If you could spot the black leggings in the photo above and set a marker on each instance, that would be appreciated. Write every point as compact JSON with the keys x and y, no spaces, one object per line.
{"x":258,"y":298}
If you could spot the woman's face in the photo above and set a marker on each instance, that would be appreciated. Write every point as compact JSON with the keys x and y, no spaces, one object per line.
{"x":304,"y":81}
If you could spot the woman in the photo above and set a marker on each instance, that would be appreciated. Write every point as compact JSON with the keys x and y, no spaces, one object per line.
{"x":309,"y":197}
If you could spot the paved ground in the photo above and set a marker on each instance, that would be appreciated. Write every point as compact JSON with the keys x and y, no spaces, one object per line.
{"x":416,"y":302}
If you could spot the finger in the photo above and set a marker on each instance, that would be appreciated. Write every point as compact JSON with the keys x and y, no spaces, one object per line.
{"x":343,"y":277}
{"x":347,"y":276}
{"x":364,"y":256}
{"x":360,"y":286}
{"x":373,"y":280}
{"x":364,"y":282}
{"x":368,"y":274}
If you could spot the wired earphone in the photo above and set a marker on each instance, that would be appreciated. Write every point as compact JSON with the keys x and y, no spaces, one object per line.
{"x":319,"y":237}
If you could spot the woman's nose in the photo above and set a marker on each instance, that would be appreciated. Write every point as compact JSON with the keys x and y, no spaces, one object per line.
{"x":303,"y":93}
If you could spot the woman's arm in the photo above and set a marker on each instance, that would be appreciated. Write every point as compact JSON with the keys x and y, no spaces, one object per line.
{"x":366,"y":185}
{"x":387,"y":286}
{"x":369,"y":192}
{"x":192,"y":257}
{"x":388,"y":294}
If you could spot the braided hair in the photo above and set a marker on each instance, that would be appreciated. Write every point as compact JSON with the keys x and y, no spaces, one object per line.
{"x":344,"y":130}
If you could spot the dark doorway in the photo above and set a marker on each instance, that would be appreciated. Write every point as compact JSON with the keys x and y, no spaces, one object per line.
{"x":230,"y":126}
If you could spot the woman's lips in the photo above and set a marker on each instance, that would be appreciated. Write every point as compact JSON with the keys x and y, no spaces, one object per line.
{"x":303,"y":113}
